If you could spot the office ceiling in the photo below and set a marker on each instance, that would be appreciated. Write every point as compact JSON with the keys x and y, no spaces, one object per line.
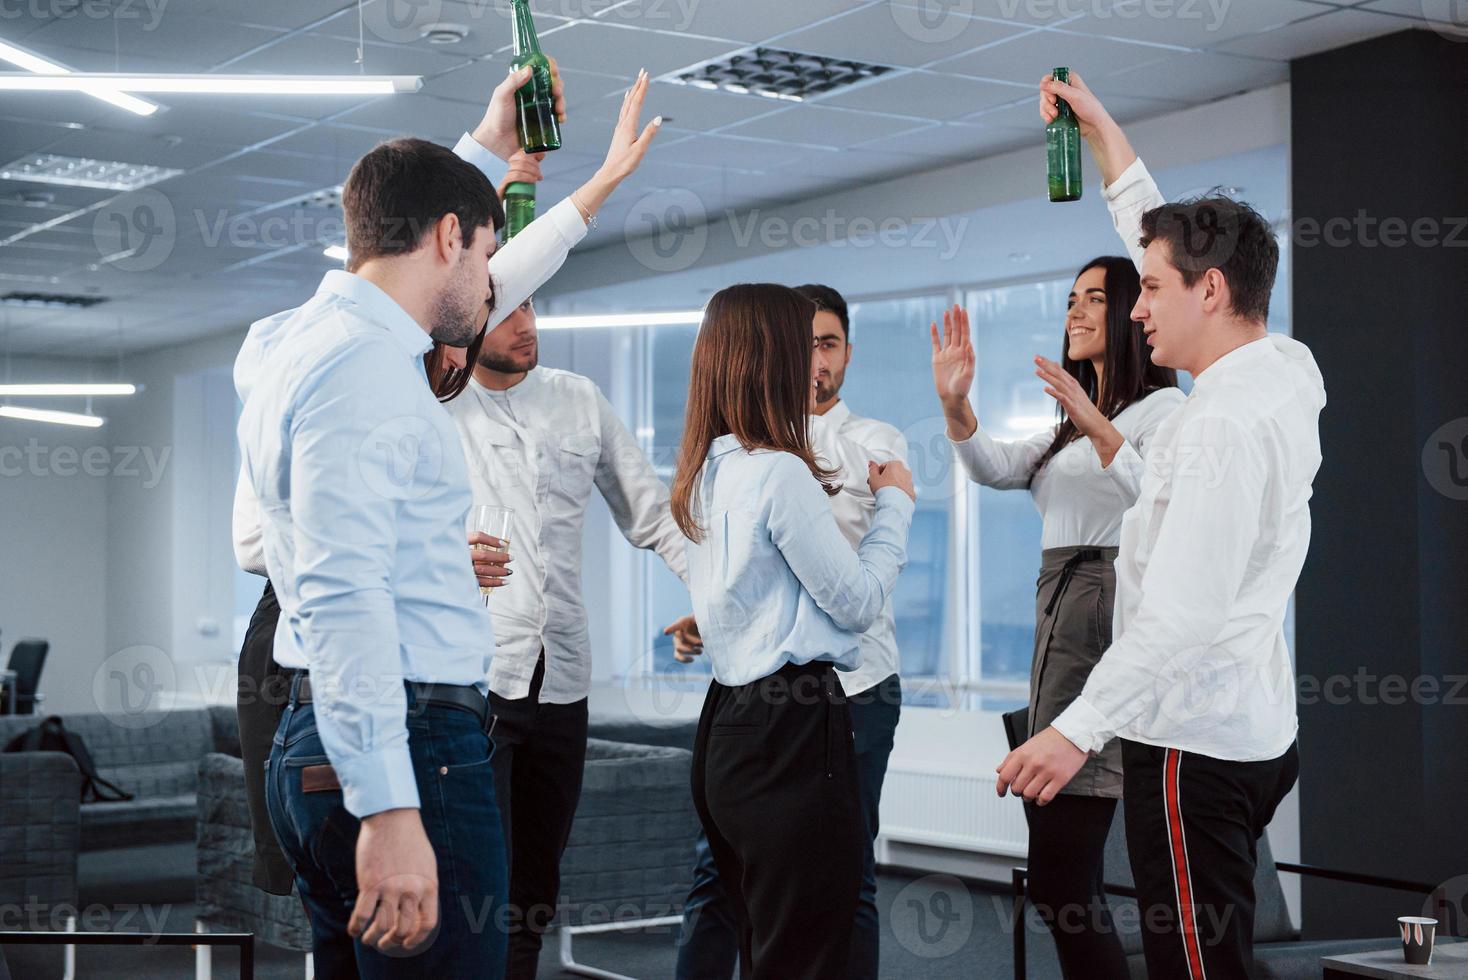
{"x":237,"y":235}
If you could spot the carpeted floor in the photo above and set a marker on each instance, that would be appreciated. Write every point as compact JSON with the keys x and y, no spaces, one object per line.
{"x":935,"y":928}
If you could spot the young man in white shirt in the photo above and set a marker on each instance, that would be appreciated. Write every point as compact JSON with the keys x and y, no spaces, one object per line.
{"x":1198,"y":681}
{"x":708,"y":947}
{"x":539,"y":441}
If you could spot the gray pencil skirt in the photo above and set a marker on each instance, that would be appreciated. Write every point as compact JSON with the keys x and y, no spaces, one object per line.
{"x":1073,"y":602}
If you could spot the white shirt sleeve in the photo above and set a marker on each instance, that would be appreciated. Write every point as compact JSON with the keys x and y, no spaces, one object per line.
{"x":249,"y":545}
{"x":850,"y":588}
{"x":1128,"y":197}
{"x":1195,"y":568}
{"x":1002,"y":465}
{"x":1129,"y":463}
{"x":638,"y":500}
{"x":526,"y":262}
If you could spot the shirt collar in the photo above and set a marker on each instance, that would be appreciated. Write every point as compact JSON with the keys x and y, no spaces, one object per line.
{"x":836,"y":415}
{"x":379,"y":308}
{"x":726,"y":443}
{"x":1236,"y":359}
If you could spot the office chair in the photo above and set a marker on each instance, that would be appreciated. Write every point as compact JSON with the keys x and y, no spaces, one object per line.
{"x":27,"y":658}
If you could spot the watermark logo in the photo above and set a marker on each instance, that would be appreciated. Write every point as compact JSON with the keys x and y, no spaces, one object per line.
{"x":402,"y":458}
{"x":136,"y":232}
{"x":930,"y":457}
{"x":135,"y":687}
{"x":931,"y":21}
{"x":1445,"y":459}
{"x":148,"y":13}
{"x":933,"y":916}
{"x":400,"y":21}
{"x":667,"y":231}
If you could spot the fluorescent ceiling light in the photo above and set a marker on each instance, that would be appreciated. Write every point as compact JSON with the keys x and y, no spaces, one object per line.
{"x":673,"y":319}
{"x":30,"y":61}
{"x":337,"y":252}
{"x":69,"y":389}
{"x":109,"y":175}
{"x":93,"y":82}
{"x":46,"y":415}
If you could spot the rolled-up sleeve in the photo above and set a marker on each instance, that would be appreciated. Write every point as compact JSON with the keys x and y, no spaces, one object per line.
{"x":348,"y":428}
{"x":850,"y":587}
{"x":1196,"y":565}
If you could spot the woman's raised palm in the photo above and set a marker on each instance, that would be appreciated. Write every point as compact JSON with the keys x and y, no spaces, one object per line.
{"x":953,"y":355}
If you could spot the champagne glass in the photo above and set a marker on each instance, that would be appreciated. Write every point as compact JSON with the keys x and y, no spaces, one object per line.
{"x":493,"y":520}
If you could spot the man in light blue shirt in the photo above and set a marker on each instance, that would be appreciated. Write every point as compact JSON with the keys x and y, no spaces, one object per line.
{"x":379,"y":785}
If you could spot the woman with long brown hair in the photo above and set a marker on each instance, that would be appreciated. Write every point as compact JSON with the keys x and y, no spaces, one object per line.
{"x":780,"y":599}
{"x":1083,"y":473}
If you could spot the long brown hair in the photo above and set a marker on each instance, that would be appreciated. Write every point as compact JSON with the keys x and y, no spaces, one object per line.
{"x":1130,"y":373}
{"x":751,"y":377}
{"x":446,"y":381}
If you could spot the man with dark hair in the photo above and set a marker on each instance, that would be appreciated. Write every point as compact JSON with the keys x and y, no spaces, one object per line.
{"x":709,"y":945}
{"x":378,"y":784}
{"x":1197,"y":682}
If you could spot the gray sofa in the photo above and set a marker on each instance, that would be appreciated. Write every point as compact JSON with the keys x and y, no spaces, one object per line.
{"x":629,"y":858}
{"x":154,"y":756}
{"x":40,"y":823}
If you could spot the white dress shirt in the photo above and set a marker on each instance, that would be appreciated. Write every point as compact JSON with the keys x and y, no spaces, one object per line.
{"x":1080,"y":502}
{"x":558,"y":441}
{"x":364,"y":493}
{"x":843,"y":439}
{"x":519,"y":267}
{"x":1210,"y":553}
{"x":774,"y":581}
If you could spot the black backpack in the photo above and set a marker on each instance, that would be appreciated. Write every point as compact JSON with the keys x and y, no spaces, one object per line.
{"x":51,"y":736}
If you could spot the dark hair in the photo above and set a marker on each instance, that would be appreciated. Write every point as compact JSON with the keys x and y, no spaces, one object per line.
{"x":400,"y":189}
{"x":1217,"y":232}
{"x":448,"y":382}
{"x":1130,"y":374}
{"x":750,"y":376}
{"x":827,"y":300}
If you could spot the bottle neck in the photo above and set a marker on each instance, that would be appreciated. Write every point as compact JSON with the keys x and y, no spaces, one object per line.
{"x":525,"y":40}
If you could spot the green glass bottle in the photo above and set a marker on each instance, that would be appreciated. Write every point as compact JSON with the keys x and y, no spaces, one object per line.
{"x":535,"y":105}
{"x":519,"y":207}
{"x":1063,"y":149}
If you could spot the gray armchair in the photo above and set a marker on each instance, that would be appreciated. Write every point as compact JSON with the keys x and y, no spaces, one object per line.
{"x":40,"y":833}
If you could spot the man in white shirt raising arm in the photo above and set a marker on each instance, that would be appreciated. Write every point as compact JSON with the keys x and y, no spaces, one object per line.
{"x":1198,"y":682}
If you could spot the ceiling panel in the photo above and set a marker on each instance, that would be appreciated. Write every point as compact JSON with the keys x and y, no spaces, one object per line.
{"x":723,"y":20}
{"x":1192,"y":25}
{"x":939,"y":14}
{"x":812,"y":125}
{"x":1193,"y":78}
{"x":1028,"y":58}
{"x":920,"y":95}
{"x":160,"y":30}
{"x":1335,"y":30}
{"x":895,"y":35}
{"x":624,"y":50}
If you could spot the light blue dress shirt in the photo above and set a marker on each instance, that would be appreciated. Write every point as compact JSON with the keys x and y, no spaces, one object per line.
{"x":364,"y":494}
{"x":774,"y":581}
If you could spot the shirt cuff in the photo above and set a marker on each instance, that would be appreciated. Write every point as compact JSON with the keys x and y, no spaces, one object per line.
{"x":568,"y":221}
{"x":1132,"y":186}
{"x":896,"y":497}
{"x":1085,"y":727}
{"x":376,"y":781}
{"x":470,"y":150}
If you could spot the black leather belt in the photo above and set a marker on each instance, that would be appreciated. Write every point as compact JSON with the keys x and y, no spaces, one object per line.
{"x":464,"y":697}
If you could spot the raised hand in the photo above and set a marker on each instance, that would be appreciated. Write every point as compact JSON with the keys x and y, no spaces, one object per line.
{"x":628,"y":145}
{"x":1108,"y":143}
{"x":1061,"y":385}
{"x":953,"y":357}
{"x":496,"y":131}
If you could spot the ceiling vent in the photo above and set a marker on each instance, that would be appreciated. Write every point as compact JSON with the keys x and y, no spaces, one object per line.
{"x":774,"y":73}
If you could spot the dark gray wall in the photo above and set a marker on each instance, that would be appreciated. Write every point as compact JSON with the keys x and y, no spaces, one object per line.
{"x":1379,"y":139}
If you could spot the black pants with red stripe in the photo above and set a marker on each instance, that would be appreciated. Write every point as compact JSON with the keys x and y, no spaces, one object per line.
{"x":1192,"y":825}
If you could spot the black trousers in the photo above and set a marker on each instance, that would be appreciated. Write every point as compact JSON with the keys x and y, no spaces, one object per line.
{"x":1192,"y":826}
{"x":775,"y":786}
{"x":539,"y":755}
{"x":1066,"y":877}
{"x":264,"y":690}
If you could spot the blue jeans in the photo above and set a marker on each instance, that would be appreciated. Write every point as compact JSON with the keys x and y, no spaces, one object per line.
{"x":708,"y":946}
{"x":451,"y":760}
